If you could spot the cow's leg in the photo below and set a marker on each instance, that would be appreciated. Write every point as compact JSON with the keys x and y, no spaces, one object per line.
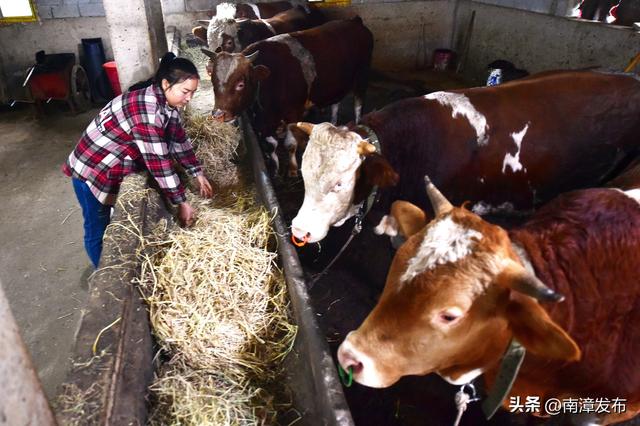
{"x":292,"y":138}
{"x":357,"y":106}
{"x":359,"y":92}
{"x":291,"y":144}
{"x":334,"y":113}
{"x":274,"y":155}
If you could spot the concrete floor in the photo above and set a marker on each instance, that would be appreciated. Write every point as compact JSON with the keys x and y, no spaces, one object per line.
{"x":43,"y":265}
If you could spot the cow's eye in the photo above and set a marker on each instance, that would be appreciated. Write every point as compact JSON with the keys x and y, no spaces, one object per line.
{"x":240,"y":86}
{"x":449,"y":316}
{"x":337,"y":187}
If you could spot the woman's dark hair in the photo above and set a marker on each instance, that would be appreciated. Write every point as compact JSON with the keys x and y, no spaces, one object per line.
{"x":173,"y":69}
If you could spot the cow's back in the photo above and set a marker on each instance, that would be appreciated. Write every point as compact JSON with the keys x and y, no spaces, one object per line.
{"x":342,"y":54}
{"x":522,"y":142}
{"x":584,"y":245}
{"x":260,"y":10}
{"x":320,"y":64}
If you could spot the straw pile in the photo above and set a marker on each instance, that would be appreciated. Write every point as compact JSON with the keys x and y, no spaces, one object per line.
{"x":219,"y":149}
{"x":218,"y":303}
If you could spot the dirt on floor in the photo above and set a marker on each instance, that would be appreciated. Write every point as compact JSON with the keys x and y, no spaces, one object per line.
{"x":43,"y":265}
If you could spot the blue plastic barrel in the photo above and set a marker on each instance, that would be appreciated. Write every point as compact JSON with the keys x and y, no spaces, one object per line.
{"x":93,"y":59}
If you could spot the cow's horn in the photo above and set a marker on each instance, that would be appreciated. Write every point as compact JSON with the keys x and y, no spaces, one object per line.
{"x":305,"y":127}
{"x":529,"y":284}
{"x":365,"y":148}
{"x":209,"y":53}
{"x":253,"y":56}
{"x":439,"y":203}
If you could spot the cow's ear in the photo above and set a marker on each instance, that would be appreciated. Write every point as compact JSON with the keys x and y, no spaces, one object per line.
{"x":200,"y":32}
{"x":260,"y":72}
{"x":409,"y":217}
{"x":299,"y":134}
{"x":532,"y":326}
{"x":378,"y":172}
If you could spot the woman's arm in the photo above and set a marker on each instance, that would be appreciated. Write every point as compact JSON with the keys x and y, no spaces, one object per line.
{"x":150,"y":141}
{"x":182,"y":150}
{"x":180,"y":145}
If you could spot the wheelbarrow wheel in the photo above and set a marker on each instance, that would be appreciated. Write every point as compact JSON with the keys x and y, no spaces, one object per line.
{"x":80,"y":91}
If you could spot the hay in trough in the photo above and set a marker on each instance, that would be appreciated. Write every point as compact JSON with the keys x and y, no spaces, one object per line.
{"x":218,"y":305}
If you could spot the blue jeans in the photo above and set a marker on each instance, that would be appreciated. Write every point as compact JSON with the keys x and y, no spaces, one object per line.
{"x":96,"y":218}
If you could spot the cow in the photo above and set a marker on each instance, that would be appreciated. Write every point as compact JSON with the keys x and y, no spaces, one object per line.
{"x":564,"y":285}
{"x":234,"y":35}
{"x":230,"y":12}
{"x":626,"y":13}
{"x":596,"y":10}
{"x":288,"y":73}
{"x":506,"y":148}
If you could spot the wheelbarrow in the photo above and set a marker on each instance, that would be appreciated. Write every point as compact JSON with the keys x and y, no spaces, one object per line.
{"x":58,"y":77}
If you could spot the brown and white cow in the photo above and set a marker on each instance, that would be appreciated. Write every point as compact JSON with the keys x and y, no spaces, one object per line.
{"x":233,"y":35}
{"x":229,"y":13}
{"x":511,"y":146}
{"x":285,"y":74}
{"x":461,"y":288}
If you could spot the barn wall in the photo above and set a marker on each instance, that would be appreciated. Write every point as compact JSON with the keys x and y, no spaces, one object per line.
{"x":539,"y":42}
{"x":20,"y":42}
{"x":405,"y":32}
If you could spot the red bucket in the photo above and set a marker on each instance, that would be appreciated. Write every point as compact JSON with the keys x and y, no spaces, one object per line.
{"x":112,"y":73}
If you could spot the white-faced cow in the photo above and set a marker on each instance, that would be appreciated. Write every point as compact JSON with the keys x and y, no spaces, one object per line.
{"x":460,"y":289}
{"x":284,"y":75}
{"x":230,"y":12}
{"x":233,"y":35}
{"x":513,"y":145}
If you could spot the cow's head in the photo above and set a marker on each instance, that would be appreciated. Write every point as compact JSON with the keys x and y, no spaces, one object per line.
{"x":222,"y":35}
{"x":339,"y":169}
{"x":455,"y":295}
{"x":235,"y":82}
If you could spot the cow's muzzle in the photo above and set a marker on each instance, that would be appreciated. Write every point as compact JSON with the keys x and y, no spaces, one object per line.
{"x":222,"y":116}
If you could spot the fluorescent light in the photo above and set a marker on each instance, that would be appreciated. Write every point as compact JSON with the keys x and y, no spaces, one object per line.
{"x":15,"y":8}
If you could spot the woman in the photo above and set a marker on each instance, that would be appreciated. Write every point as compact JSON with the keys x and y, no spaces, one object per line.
{"x":136,"y":130}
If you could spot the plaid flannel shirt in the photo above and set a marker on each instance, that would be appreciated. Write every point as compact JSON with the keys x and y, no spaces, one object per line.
{"x":135,"y":130}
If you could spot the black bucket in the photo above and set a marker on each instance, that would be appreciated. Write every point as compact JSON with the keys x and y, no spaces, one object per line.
{"x":93,"y":59}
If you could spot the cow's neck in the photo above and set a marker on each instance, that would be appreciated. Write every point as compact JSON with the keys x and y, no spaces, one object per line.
{"x":365,"y":193}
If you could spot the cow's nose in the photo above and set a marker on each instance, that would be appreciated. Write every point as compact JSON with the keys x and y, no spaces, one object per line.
{"x":348,"y":359}
{"x":300,"y":234}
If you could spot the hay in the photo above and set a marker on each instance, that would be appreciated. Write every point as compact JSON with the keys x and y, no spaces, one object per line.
{"x":77,"y":407}
{"x":217,"y":145}
{"x":218,"y":303}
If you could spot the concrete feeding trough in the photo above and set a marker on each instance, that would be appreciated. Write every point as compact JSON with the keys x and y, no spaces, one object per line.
{"x":114,"y":353}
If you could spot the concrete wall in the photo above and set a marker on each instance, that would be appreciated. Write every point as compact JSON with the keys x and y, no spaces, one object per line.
{"x":539,"y":42}
{"x":552,"y":7}
{"x":405,"y":32}
{"x":54,"y":9}
{"x":20,"y":42}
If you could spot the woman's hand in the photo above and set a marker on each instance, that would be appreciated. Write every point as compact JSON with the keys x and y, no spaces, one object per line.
{"x":206,"y":191}
{"x":186,"y":214}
